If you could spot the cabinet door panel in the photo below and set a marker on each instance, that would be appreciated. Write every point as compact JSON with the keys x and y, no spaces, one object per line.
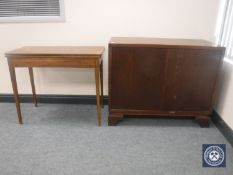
{"x":191,"y":75}
{"x":137,"y":75}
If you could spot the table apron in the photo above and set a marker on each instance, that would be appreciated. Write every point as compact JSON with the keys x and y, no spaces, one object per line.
{"x":87,"y":62}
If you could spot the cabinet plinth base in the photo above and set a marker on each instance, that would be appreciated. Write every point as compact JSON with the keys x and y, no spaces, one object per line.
{"x":113,"y":120}
{"x":203,"y":121}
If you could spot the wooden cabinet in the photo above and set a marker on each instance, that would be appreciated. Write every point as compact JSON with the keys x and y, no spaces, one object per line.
{"x":165,"y":77}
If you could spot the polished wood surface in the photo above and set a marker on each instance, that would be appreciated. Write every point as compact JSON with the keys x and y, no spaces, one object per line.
{"x":59,"y":56}
{"x":162,"y":42}
{"x":129,"y":75}
{"x":57,"y":50}
{"x":159,"y":77}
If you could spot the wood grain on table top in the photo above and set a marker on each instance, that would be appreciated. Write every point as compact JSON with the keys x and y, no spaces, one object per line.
{"x":58,"y":50}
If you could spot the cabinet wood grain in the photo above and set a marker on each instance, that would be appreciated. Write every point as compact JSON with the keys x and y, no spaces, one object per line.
{"x":165,"y":77}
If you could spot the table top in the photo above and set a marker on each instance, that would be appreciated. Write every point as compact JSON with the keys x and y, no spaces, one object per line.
{"x":58,"y":50}
{"x":160,"y":41}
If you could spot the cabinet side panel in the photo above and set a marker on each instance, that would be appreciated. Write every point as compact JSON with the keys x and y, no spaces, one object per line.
{"x":137,"y":76}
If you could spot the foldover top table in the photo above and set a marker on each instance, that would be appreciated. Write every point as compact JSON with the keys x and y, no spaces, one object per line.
{"x":59,"y":56}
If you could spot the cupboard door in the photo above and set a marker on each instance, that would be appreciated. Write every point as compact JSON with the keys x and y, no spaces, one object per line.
{"x":190,"y":79}
{"x":137,"y":75}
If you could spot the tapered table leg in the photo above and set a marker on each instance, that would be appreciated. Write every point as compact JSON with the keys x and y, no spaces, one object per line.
{"x":33,"y":86}
{"x":97,"y":81}
{"x":15,"y":90}
{"x":102,"y":86}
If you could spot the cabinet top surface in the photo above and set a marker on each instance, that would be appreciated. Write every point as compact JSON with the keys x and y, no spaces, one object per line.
{"x":160,"y":41}
{"x":58,"y":50}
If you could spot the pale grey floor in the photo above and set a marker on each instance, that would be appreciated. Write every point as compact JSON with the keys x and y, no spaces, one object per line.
{"x":65,"y":140}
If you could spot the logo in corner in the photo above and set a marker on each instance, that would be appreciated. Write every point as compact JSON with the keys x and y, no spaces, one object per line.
{"x":214,"y":155}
